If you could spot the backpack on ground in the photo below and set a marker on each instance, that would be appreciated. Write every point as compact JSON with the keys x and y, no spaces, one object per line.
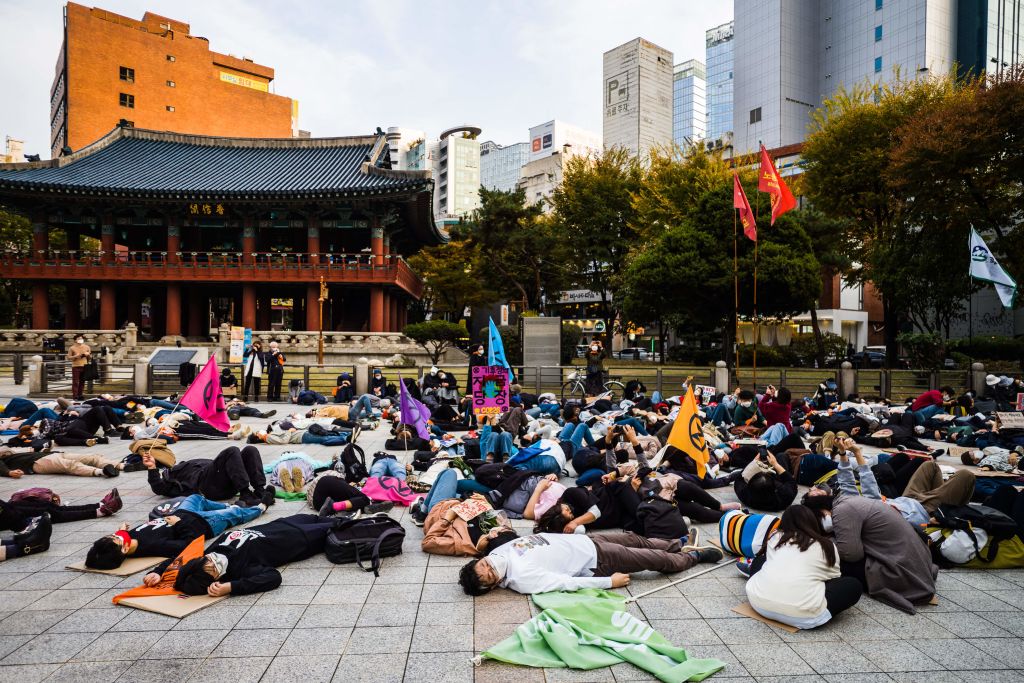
{"x":998,"y":525}
{"x":367,"y":539}
{"x":352,"y":463}
{"x":35,"y":494}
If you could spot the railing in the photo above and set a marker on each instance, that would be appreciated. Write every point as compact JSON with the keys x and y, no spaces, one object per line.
{"x":164,"y":380}
{"x":114,"y":378}
{"x":216,"y":265}
{"x":12,"y":367}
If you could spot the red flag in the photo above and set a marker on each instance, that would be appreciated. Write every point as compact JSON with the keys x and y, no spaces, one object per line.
{"x":739,"y":201}
{"x":205,"y":398}
{"x":769,"y":180}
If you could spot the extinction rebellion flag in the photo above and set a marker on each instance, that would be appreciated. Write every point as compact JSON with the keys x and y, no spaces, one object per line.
{"x":984,"y":267}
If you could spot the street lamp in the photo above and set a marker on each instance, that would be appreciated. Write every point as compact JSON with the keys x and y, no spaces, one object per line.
{"x":320,"y":345}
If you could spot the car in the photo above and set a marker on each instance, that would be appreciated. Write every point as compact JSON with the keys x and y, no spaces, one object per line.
{"x":868,"y":359}
{"x":634,"y":353}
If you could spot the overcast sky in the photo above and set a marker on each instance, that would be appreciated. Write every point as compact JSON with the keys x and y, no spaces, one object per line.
{"x":503,"y":65}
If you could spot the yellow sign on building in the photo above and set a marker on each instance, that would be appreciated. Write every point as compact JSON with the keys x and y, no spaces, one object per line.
{"x":243,"y":81}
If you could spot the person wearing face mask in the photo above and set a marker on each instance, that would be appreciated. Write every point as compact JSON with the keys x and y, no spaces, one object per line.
{"x":877,"y":547}
{"x":244,"y":561}
{"x":79,"y":355}
{"x":595,"y":368}
{"x":254,"y":361}
{"x":747,"y":412}
{"x":275,"y":372}
{"x":931,"y":402}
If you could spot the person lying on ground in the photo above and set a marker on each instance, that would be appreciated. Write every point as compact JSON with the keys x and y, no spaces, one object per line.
{"x":446,"y":533}
{"x":277,"y":434}
{"x":995,"y":459}
{"x":16,"y":513}
{"x":551,"y":562}
{"x":16,"y":464}
{"x":168,"y":536}
{"x":238,"y":408}
{"x":74,"y":429}
{"x":33,"y":539}
{"x":796,"y":580}
{"x":232,"y":472}
{"x":244,"y":561}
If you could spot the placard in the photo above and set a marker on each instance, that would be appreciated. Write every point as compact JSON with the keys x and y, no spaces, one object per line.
{"x":237,"y":347}
{"x":1010,"y":420}
{"x":705,"y":392}
{"x":490,"y":390}
{"x":1020,"y":402}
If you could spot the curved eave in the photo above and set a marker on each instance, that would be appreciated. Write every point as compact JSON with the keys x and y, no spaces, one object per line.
{"x":243,"y":195}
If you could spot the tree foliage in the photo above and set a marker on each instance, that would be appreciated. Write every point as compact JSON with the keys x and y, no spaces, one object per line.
{"x":451,"y":272}
{"x":435,"y":336}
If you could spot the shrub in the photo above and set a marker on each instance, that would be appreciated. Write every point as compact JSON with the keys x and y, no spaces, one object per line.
{"x":435,"y":336}
{"x":510,"y":340}
{"x":571,"y":335}
{"x":925,"y":349}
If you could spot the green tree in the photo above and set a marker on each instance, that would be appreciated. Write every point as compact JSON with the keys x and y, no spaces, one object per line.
{"x":435,"y":336}
{"x":15,"y":297}
{"x":451,"y":272}
{"x":595,"y":217}
{"x":520,"y":253}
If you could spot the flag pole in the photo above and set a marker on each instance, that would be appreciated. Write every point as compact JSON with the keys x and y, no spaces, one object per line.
{"x":736,"y":290}
{"x":757,"y":324}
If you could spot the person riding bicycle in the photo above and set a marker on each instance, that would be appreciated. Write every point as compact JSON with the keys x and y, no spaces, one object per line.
{"x":595,"y":368}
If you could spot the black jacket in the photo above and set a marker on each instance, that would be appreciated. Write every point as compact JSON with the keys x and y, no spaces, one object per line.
{"x":660,"y":518}
{"x":778,"y":499}
{"x":160,"y":538}
{"x":183,"y":479}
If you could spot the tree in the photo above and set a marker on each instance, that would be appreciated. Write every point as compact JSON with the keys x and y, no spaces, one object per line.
{"x":451,"y":272}
{"x":848,"y":157}
{"x":435,"y":336}
{"x":520,"y":253}
{"x":15,"y":297}
{"x":595,"y":217}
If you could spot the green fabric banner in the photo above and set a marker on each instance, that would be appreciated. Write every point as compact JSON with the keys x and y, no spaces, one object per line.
{"x":590,"y":629}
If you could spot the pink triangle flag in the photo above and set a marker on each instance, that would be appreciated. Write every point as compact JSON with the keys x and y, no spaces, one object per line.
{"x":205,"y":398}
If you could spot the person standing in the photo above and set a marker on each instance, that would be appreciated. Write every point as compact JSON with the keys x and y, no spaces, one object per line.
{"x":595,"y":368}
{"x":275,"y":372}
{"x":253,"y":372}
{"x":79,"y":355}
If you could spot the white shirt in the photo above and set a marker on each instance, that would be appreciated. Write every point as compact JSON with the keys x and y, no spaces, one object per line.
{"x":791,"y":586}
{"x":551,"y":562}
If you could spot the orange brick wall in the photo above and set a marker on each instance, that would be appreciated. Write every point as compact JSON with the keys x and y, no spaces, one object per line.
{"x":99,"y":43}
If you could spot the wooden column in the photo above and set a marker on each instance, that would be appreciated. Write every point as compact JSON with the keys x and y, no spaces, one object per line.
{"x":403,"y":316}
{"x":263,"y":313}
{"x":313,"y":239}
{"x":198,"y":316}
{"x":133,"y":304}
{"x":297,"y":317}
{"x":377,"y":243}
{"x":40,"y":306}
{"x":396,"y":302}
{"x":173,"y":312}
{"x":313,"y":307}
{"x":173,"y":242}
{"x":108,"y":304}
{"x":248,"y":238}
{"x":107,"y":240}
{"x":72,"y":304}
{"x":40,"y":240}
{"x":249,"y":306}
{"x":376,"y":308}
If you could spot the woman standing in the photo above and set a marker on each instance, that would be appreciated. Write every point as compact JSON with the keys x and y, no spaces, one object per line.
{"x":595,"y":368}
{"x":253,"y":371}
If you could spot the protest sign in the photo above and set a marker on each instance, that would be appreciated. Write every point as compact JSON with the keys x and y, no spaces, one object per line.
{"x":490,"y":390}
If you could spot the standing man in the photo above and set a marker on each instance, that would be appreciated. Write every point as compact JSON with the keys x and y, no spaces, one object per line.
{"x":79,"y":355}
{"x":253,"y":371}
{"x":275,"y":372}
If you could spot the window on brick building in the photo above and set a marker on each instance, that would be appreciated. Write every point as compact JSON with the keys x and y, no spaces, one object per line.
{"x":127,"y":100}
{"x":170,"y":107}
{"x":127,"y":74}
{"x":170,"y":58}
{"x":171,"y":84}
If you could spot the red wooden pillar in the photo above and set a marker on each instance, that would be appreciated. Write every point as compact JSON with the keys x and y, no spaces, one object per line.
{"x":198,"y":315}
{"x":108,"y":305}
{"x":72,"y":304}
{"x":263,"y":313}
{"x":40,"y":306}
{"x":173,"y":312}
{"x":395,"y":302}
{"x":107,"y":240}
{"x":248,"y":239}
{"x":376,"y":309}
{"x":377,"y":243}
{"x":313,"y":307}
{"x":313,"y":239}
{"x":249,"y":306}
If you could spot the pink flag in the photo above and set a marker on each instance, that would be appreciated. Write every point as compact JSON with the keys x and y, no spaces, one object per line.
{"x":205,"y":398}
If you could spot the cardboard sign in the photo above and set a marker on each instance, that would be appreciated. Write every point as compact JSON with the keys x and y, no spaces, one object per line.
{"x":490,"y":390}
{"x":705,"y":392}
{"x":1010,"y":420}
{"x":237,"y":344}
{"x":1020,"y":402}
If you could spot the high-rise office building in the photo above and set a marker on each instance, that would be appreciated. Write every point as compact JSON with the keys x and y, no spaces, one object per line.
{"x":719,"y":60}
{"x":559,"y":137}
{"x":113,"y":70}
{"x":637,"y":97}
{"x":457,"y":173}
{"x":990,"y":35}
{"x":500,"y":164}
{"x":689,"y":106}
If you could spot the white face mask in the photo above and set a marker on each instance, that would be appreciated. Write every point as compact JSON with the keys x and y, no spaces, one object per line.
{"x":593,"y":348}
{"x":499,"y":563}
{"x":79,"y":341}
{"x":745,"y":404}
{"x":826,"y":524}
{"x":220,"y":563}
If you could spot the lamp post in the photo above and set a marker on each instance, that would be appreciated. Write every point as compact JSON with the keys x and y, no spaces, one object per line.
{"x":320,"y":345}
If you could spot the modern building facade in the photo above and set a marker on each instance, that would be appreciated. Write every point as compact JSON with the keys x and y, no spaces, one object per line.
{"x":456,"y":167}
{"x":689,"y":103}
{"x":201,"y":231}
{"x":718,"y":57}
{"x":989,"y":35}
{"x":113,"y":70}
{"x":637,"y":97}
{"x":500,"y":165}
{"x":563,"y":138}
{"x":401,"y":142}
{"x":14,"y":151}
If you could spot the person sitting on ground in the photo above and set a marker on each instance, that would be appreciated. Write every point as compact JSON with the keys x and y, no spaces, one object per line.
{"x":445,"y":533}
{"x":345,"y":390}
{"x":877,"y":547}
{"x":33,"y":539}
{"x":16,"y":513}
{"x":16,"y":464}
{"x":228,"y":382}
{"x":747,"y":413}
{"x":244,"y":561}
{"x":931,"y":402}
{"x":379,"y":385}
{"x":232,"y":472}
{"x":777,"y":408}
{"x":796,"y":580}
{"x":765,"y":484}
{"x":167,"y":536}
{"x":567,"y":562}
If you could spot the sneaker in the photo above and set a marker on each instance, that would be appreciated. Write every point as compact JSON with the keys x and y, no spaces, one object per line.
{"x":89,"y":443}
{"x":937,"y":453}
{"x":707,"y":554}
{"x":111,"y":503}
{"x":692,"y":541}
{"x":285,"y":475}
{"x":356,"y":431}
{"x":111,"y":471}
{"x":298,"y":480}
{"x":34,"y":538}
{"x":327,"y":509}
{"x":416,"y":512}
{"x":381,"y":506}
{"x":269,"y":413}
{"x":247,"y":499}
{"x":102,"y":440}
{"x":136,"y":467}
{"x":744,"y":566}
{"x":267,"y":498}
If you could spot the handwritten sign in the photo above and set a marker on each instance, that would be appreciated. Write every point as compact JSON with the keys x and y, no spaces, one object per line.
{"x":490,"y":390}
{"x":1020,"y":402}
{"x":705,"y":392}
{"x":237,"y":347}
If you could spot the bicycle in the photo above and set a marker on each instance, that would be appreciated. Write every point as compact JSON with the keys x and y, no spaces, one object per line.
{"x":575,"y":386}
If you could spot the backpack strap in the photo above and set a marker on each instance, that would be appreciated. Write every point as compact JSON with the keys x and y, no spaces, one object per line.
{"x":375,"y":552}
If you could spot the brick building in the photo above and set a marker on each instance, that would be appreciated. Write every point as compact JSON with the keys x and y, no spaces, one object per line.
{"x":154,"y":74}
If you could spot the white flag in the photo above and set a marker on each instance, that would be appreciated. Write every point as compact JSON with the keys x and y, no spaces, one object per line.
{"x":984,"y":267}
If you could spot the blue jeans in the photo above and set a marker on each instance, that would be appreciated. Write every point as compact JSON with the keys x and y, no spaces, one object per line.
{"x":498,"y":444}
{"x":550,"y":409}
{"x":362,"y":405}
{"x":160,"y":403}
{"x":775,"y":434}
{"x":335,"y":440}
{"x":923,"y":415}
{"x":47,"y":413}
{"x":387,"y":467}
{"x":19,"y":407}
{"x":576,"y":434}
{"x":219,"y":516}
{"x":720,"y":415}
{"x":471,"y":486}
{"x":634,"y":423}
{"x":445,"y":486}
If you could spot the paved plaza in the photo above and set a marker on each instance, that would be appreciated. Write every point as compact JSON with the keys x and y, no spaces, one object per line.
{"x":336,"y":623}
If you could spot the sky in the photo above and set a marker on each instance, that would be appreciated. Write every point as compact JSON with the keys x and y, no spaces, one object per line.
{"x":503,"y":65}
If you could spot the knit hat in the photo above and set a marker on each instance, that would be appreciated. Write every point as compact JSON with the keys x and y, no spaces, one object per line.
{"x":991,"y":380}
{"x":1005,"y":381}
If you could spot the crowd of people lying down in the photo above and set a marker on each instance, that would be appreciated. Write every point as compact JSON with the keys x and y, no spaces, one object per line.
{"x":834,"y":496}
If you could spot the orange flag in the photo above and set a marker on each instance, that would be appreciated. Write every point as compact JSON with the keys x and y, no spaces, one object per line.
{"x":688,"y":432}
{"x":769,"y":180}
{"x":739,"y":201}
{"x":166,"y":586}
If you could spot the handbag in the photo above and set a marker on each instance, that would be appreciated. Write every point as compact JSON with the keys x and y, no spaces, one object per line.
{"x":90,"y":372}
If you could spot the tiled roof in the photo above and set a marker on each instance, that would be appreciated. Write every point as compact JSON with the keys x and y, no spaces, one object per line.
{"x":136,"y":162}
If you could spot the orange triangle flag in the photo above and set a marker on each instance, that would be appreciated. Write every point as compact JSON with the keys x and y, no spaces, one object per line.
{"x":166,"y":586}
{"x":688,"y":432}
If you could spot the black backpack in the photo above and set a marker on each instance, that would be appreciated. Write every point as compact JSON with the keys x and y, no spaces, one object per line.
{"x":352,"y":463}
{"x":367,"y":539}
{"x":998,"y":525}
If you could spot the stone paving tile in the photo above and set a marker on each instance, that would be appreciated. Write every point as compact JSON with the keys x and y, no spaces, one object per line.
{"x":742,"y":630}
{"x":826,"y":658}
{"x":329,"y":616}
{"x":34,"y":622}
{"x":778,"y":659}
{"x":49,"y":648}
{"x":499,"y":672}
{"x":160,"y":670}
{"x":304,"y":669}
{"x":26,"y":673}
{"x":111,"y":646}
{"x":94,"y":672}
{"x":316,"y":641}
{"x":441,"y":638}
{"x":379,"y":640}
{"x":233,"y":669}
{"x":958,"y":655}
{"x":896,"y":655}
{"x":372,"y":668}
{"x":452,"y":667}
{"x":264,"y":643}
{"x":388,"y":615}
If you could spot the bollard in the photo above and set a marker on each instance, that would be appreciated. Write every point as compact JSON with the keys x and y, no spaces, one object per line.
{"x":36,"y":376}
{"x":721,"y":377}
{"x":847,"y":380}
{"x":362,"y":378}
{"x":131,"y":337}
{"x":141,"y":378}
{"x":976,"y":379}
